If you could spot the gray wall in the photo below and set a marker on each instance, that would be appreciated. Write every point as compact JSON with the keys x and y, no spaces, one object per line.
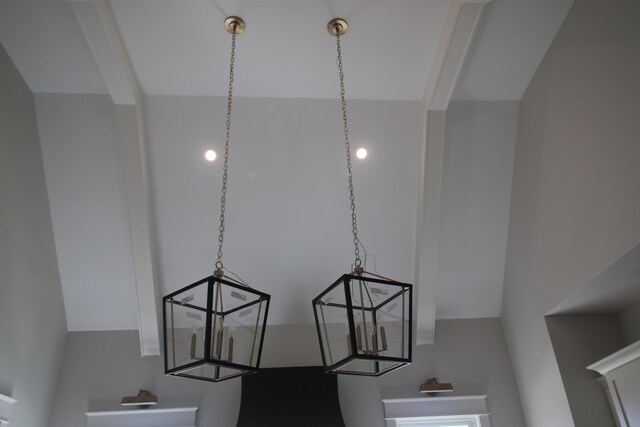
{"x":101,"y":367}
{"x":32,"y":320}
{"x":629,"y":319}
{"x":478,"y":166}
{"x":575,"y":202}
{"x":85,"y":182}
{"x":469,"y":353}
{"x":578,"y":341}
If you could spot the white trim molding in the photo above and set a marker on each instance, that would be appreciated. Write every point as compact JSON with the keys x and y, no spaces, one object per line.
{"x":447,"y":408}
{"x":622,"y":373}
{"x":160,"y":417}
{"x":617,"y":359}
{"x":6,"y":402}
{"x":453,"y":48}
{"x":110,"y":55}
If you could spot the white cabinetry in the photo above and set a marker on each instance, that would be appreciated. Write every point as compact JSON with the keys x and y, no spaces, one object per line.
{"x":622,"y":372}
{"x":6,"y":403}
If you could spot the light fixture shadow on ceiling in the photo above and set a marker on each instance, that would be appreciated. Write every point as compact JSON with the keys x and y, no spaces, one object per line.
{"x":355,"y":7}
{"x":218,"y":6}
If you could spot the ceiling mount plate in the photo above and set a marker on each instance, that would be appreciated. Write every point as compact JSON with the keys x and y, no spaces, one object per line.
{"x":337,"y":26}
{"x":234,"y":24}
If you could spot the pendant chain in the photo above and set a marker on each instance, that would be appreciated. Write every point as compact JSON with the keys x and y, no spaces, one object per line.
{"x":354,"y":226}
{"x":223,"y":197}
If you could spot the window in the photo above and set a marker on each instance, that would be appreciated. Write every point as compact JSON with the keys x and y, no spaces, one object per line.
{"x":464,"y":421}
{"x":449,"y":411}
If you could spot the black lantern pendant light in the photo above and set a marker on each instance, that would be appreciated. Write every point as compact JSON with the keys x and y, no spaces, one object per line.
{"x":214,"y":328}
{"x":363,"y":319}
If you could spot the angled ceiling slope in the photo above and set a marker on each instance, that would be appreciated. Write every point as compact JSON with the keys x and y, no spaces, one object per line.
{"x":181,"y":56}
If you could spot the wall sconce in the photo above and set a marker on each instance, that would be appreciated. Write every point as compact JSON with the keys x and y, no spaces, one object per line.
{"x":143,"y":398}
{"x":433,"y":386}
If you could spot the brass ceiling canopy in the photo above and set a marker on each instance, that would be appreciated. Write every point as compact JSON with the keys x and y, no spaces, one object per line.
{"x":234,"y":25}
{"x":337,"y":27}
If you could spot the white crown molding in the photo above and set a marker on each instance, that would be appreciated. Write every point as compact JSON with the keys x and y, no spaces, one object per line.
{"x":6,"y":402}
{"x":158,"y":417}
{"x":7,"y":399}
{"x":617,"y":359}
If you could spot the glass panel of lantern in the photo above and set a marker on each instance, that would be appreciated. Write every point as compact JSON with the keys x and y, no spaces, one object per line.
{"x":206,"y":343}
{"x":364,"y":325}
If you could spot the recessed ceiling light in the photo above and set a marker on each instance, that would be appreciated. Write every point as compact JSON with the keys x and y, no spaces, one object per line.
{"x":361,"y":153}
{"x":210,"y":155}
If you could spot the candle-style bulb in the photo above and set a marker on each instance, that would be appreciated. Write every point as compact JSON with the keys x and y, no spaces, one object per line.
{"x":374,"y":337}
{"x":346,"y":331}
{"x":218,"y":342}
{"x":232,"y":334}
{"x":358,"y":331}
{"x":194,"y":335}
{"x":383,"y":333}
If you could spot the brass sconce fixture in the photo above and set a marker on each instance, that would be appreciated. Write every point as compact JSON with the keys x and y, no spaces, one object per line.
{"x":143,"y":398}
{"x":433,"y":386}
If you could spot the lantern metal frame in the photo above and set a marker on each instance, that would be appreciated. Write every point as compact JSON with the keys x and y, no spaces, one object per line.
{"x":214,"y":283}
{"x":405,"y":290}
{"x":211,"y":281}
{"x":337,"y":27}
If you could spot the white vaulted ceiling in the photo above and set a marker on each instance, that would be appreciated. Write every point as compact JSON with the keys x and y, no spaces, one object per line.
{"x":46,"y":45}
{"x":511,"y":42}
{"x":288,"y":225}
{"x":180,"y":47}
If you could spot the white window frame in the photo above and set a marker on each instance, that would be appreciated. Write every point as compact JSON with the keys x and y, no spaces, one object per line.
{"x":454,"y":421}
{"x":157,"y":417}
{"x":468,"y":411}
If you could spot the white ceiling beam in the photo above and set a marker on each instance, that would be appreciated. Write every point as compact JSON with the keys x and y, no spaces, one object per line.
{"x":457,"y":35}
{"x":105,"y":43}
{"x":130,"y":133}
{"x":428,"y":226}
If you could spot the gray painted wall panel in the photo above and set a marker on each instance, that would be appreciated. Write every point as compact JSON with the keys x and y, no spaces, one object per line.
{"x":85,"y":180}
{"x":101,"y":367}
{"x":575,"y":202}
{"x":578,"y":341}
{"x":32,"y":320}
{"x":480,"y":145}
{"x":630,"y":322}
